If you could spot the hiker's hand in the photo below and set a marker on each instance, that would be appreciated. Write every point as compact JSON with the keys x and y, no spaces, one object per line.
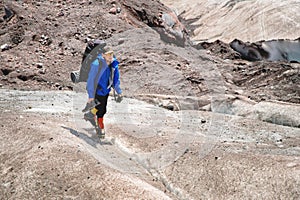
{"x":90,"y":100}
{"x":119,"y":98}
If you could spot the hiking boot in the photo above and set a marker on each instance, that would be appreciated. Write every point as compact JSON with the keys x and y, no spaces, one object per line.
{"x":90,"y":117}
{"x":100,"y":132}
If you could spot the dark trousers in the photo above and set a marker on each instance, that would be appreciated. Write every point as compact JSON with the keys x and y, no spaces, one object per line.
{"x":101,"y":107}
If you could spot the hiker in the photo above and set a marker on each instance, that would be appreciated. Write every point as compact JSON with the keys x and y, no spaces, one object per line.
{"x":103,"y":75}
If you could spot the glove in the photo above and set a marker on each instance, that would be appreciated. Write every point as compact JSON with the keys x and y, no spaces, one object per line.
{"x":119,"y":98}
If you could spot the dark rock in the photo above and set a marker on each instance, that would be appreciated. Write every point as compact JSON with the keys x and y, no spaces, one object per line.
{"x":8,"y":13}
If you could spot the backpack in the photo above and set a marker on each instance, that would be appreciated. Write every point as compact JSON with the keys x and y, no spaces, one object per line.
{"x":92,"y":49}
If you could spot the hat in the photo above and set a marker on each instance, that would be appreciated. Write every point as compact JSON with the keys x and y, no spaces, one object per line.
{"x":107,"y":49}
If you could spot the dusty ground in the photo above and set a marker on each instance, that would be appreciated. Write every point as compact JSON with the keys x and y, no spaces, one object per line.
{"x":194,"y":124}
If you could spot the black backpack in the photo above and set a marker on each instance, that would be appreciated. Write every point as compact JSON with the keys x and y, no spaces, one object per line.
{"x":92,"y":49}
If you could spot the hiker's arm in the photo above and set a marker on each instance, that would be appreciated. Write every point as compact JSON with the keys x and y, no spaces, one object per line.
{"x":90,"y":84}
{"x":117,"y":81}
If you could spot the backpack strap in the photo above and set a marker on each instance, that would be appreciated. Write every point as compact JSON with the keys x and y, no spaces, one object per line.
{"x":98,"y":74}
{"x":111,"y":77}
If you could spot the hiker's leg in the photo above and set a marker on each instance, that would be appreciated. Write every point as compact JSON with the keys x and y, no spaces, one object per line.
{"x":101,"y":110}
{"x":101,"y":107}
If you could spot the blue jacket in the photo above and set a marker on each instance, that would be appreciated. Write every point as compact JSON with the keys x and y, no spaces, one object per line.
{"x":101,"y":79}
